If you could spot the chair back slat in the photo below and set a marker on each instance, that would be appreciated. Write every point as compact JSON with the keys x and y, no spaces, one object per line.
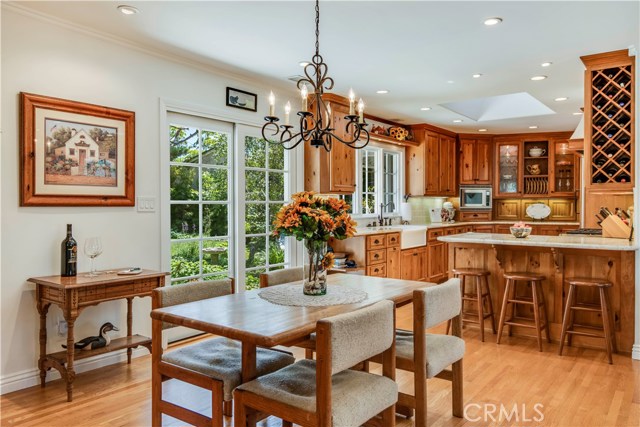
{"x":360,"y":335}
{"x":189,"y":292}
{"x":280,"y":277}
{"x":441,"y":302}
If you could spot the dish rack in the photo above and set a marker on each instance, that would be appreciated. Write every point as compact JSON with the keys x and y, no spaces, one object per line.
{"x":536,"y":185}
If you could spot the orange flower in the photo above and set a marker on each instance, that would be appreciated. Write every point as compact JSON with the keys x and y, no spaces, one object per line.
{"x":328,"y":261}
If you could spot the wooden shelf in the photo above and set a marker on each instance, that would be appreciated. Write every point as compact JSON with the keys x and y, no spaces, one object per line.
{"x":116,"y":344}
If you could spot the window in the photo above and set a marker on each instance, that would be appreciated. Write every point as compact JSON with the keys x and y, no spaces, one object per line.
{"x":201,"y":209}
{"x":72,"y":151}
{"x":379,"y":181}
{"x":266,"y":185}
{"x":92,"y":153}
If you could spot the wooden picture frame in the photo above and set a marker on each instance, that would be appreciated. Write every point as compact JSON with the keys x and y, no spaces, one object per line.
{"x":241,"y":99}
{"x":75,"y":154}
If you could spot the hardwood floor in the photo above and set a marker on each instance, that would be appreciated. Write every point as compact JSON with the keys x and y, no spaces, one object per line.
{"x":577,"y":389}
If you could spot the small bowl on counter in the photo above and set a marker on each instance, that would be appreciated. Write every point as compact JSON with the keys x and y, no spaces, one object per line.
{"x":520,"y":232}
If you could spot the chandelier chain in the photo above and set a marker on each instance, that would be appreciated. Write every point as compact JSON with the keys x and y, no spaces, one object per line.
{"x":317,"y":27}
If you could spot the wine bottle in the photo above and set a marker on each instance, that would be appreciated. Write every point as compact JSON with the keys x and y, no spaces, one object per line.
{"x":69,"y":258}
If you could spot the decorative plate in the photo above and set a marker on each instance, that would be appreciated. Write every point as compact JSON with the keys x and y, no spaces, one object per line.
{"x":538,"y":211}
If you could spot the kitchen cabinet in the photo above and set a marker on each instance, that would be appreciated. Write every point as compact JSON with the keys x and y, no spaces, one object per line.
{"x":431,"y":165}
{"x":394,"y":266}
{"x":331,"y":172}
{"x":437,"y":262}
{"x":413,"y":263}
{"x":508,"y":174}
{"x":508,"y":209}
{"x":484,"y":228}
{"x":476,"y":155}
{"x":562,"y":210}
{"x":475,"y":215}
{"x":516,"y":209}
{"x":447,"y":166}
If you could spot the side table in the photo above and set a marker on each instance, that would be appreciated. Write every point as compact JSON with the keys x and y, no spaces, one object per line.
{"x":74,"y":294}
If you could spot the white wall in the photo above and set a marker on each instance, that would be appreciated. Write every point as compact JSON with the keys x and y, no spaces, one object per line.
{"x":45,"y":58}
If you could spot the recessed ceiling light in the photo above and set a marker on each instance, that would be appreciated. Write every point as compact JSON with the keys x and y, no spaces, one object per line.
{"x":303,"y":63}
{"x":561,"y":98}
{"x":492,"y":21}
{"x":127,"y":10}
{"x":533,"y":127}
{"x":578,"y":113}
{"x":450,"y":81}
{"x":457,"y":121}
{"x":482,"y":130}
{"x":477,"y":76}
{"x":546,"y":64}
{"x":382,"y":91}
{"x":536,"y":78}
{"x":425,"y":108}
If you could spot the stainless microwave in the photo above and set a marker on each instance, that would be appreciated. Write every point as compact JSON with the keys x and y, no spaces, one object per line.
{"x":475,"y":198}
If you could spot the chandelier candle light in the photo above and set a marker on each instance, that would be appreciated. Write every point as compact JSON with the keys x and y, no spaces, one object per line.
{"x":316,"y":127}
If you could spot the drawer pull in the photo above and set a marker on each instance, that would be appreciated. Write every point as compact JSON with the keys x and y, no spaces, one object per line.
{"x":415,"y":254}
{"x":376,"y":256}
{"x":376,"y":270}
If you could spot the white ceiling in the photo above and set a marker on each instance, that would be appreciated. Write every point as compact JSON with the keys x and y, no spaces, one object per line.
{"x":411,"y":48}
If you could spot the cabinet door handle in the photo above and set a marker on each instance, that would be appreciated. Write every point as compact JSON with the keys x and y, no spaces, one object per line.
{"x":376,"y":241}
{"x":415,"y":254}
{"x":376,"y":256}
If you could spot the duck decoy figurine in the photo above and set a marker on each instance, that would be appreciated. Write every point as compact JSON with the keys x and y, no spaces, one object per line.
{"x":102,"y":340}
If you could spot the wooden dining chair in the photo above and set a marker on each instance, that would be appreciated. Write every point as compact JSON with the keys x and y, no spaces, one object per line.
{"x":214,"y":364}
{"x":325,"y":392}
{"x":285,"y":275}
{"x":281,"y":277}
{"x":427,"y":355}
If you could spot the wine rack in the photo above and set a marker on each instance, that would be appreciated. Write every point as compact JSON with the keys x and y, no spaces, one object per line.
{"x":609,"y":119}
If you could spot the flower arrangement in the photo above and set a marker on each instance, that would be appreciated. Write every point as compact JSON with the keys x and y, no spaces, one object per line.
{"x":315,"y":219}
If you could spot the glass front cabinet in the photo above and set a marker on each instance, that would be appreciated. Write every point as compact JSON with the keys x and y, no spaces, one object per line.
{"x":508,"y":174}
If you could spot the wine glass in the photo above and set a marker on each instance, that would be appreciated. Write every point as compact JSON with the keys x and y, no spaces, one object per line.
{"x":92,"y":248}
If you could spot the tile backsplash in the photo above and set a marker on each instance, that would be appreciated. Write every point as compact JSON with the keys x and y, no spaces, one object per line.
{"x":420,"y":207}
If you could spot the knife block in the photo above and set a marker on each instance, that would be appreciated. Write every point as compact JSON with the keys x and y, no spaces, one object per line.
{"x":613,"y":226}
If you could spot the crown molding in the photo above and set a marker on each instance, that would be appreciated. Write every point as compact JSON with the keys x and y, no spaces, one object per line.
{"x":211,"y":67}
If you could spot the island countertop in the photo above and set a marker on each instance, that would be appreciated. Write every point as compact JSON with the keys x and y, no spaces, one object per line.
{"x":569,"y":242}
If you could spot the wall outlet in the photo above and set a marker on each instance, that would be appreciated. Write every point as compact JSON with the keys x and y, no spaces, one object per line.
{"x":146,"y":204}
{"x":62,"y":327}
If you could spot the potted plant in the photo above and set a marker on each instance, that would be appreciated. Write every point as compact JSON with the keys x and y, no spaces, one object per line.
{"x":314,"y":219}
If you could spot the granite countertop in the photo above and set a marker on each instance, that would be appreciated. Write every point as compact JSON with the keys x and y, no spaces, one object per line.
{"x":363,"y":231}
{"x":571,"y":242}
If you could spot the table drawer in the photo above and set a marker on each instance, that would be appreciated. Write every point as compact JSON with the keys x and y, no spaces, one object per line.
{"x":393,"y":239}
{"x":376,"y":241}
{"x":433,"y":234}
{"x":379,"y":270}
{"x":377,"y":256}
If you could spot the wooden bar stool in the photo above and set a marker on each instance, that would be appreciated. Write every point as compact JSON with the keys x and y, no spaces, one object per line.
{"x":481,"y":297}
{"x":537,"y":300}
{"x":603,"y":308}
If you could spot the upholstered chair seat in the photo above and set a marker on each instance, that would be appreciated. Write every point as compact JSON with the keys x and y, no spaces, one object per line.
{"x":221,"y":359}
{"x":296,"y":385}
{"x":442,"y":350}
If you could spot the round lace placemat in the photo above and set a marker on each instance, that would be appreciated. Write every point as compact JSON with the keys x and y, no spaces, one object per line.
{"x":292,"y":295}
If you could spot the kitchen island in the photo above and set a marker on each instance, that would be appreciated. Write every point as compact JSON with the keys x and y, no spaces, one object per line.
{"x":557,"y":258}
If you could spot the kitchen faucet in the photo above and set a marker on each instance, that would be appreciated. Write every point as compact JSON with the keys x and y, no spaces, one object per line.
{"x":382,"y":206}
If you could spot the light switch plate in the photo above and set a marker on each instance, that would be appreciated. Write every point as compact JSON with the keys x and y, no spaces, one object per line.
{"x":146,"y":204}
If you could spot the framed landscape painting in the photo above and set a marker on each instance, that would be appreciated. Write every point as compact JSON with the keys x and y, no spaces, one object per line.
{"x":75,"y":154}
{"x":240,"y":99}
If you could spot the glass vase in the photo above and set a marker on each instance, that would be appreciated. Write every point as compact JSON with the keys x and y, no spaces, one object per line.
{"x":315,"y":281}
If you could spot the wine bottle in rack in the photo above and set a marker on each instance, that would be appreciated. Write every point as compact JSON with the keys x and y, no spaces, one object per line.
{"x":69,"y":255}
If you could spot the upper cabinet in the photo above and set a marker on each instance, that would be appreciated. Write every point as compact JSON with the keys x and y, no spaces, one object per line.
{"x":431,"y":165}
{"x":535,"y":165}
{"x":609,"y":118}
{"x":334,"y":171}
{"x":476,"y":156}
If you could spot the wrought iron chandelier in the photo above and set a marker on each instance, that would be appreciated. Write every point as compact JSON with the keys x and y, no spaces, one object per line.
{"x":316,"y":126}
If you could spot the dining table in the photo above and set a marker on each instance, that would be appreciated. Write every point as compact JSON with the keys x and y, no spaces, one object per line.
{"x":256,"y":322}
